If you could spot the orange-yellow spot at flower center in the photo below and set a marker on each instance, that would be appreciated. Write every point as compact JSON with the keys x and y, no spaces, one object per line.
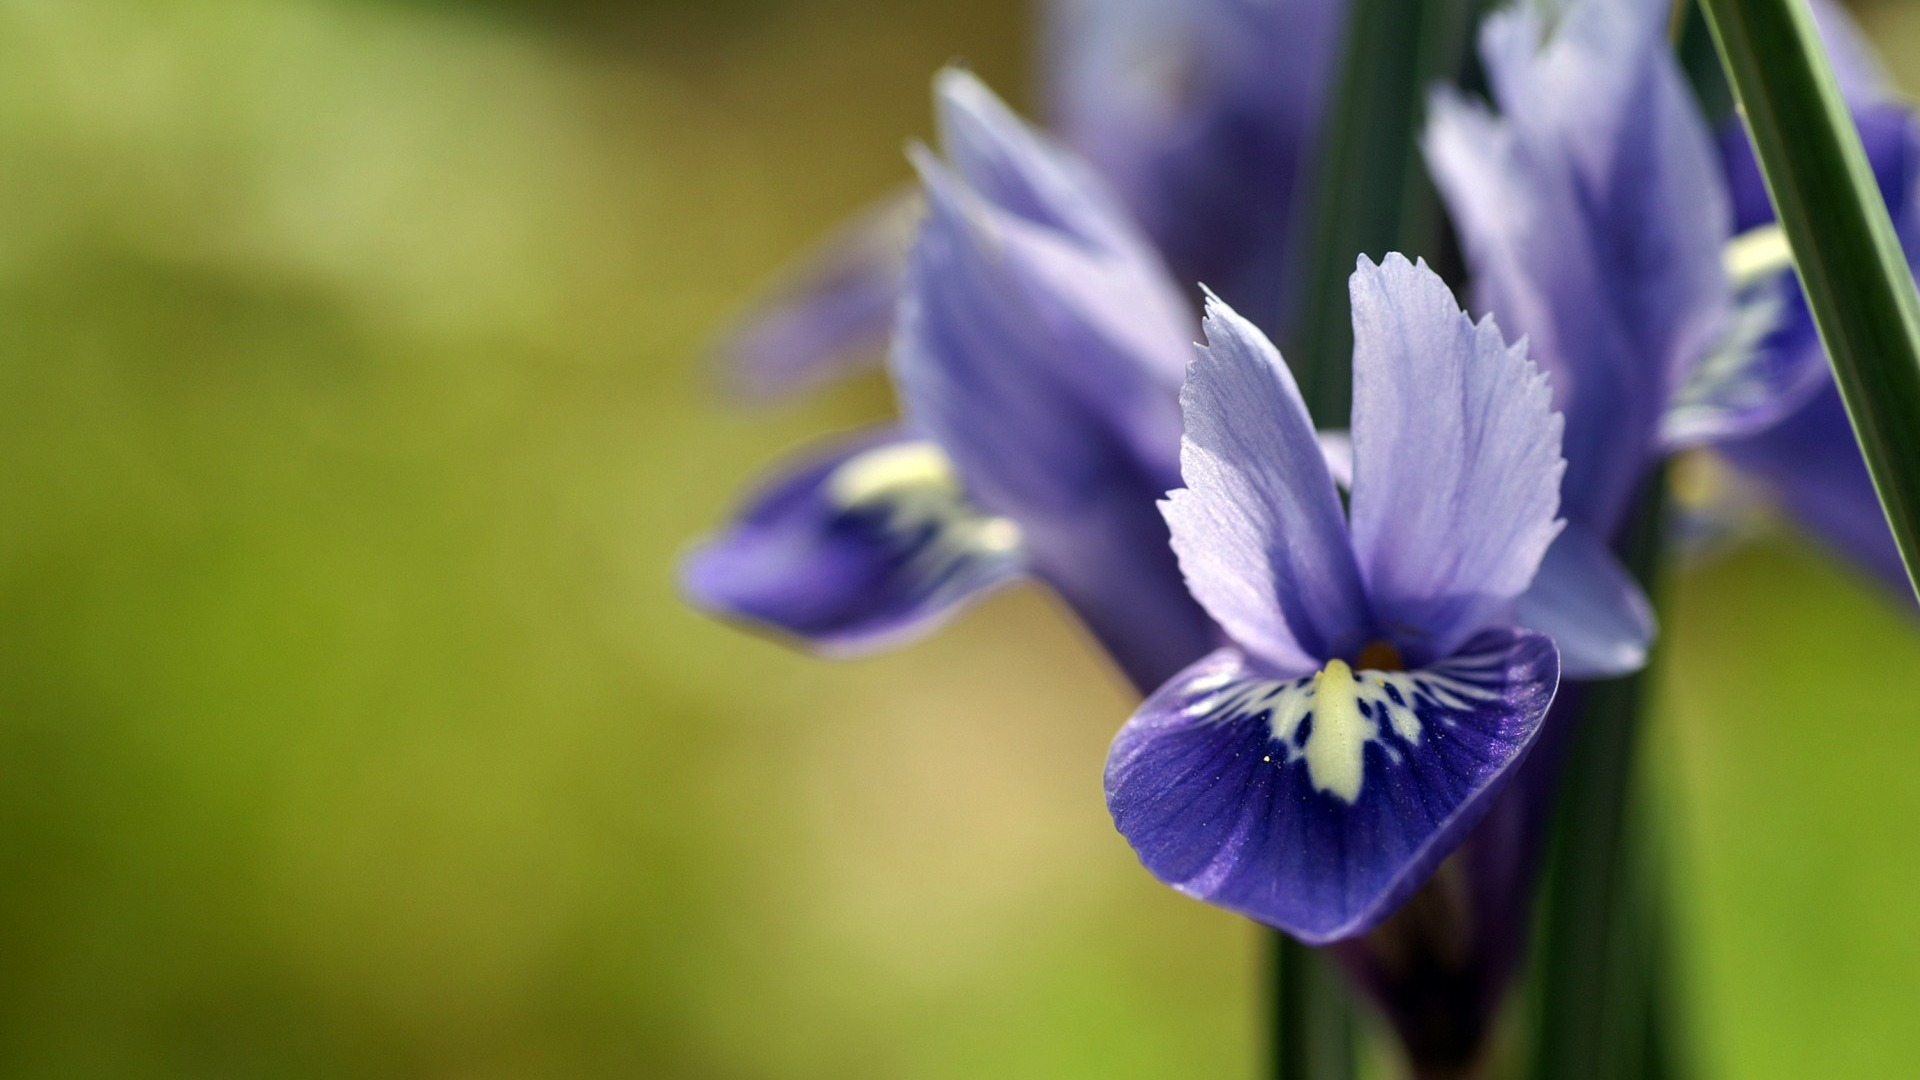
{"x":1379,"y":655}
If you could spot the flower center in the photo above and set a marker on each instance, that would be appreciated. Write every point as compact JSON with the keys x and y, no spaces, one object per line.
{"x":1379,"y":655}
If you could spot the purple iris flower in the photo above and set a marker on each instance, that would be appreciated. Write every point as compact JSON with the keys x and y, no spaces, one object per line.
{"x":1594,"y":214}
{"x":1038,"y":353}
{"x":1378,"y":689}
{"x":1198,"y":114}
{"x":1604,"y":218}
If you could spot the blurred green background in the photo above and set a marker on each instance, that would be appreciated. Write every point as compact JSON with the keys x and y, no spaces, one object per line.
{"x":351,"y":419}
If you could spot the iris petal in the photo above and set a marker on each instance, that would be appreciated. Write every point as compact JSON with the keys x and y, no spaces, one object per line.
{"x":1318,"y":804}
{"x":1594,"y":610}
{"x":1593,"y":212}
{"x":1259,"y":529}
{"x":1456,"y":455}
{"x":1042,"y":360}
{"x":867,"y":543}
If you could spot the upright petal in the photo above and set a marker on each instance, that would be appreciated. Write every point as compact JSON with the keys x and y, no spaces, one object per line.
{"x":1022,"y":171}
{"x":1027,"y":178}
{"x":866,"y":543}
{"x":1034,"y":360}
{"x":1318,"y":804}
{"x":1258,"y":527}
{"x":1456,"y":456}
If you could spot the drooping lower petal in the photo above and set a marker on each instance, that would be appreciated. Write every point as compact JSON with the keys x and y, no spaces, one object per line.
{"x":1316,"y":804}
{"x":1456,"y":455}
{"x":867,"y":544}
{"x":1768,"y":363}
{"x":1594,"y":611}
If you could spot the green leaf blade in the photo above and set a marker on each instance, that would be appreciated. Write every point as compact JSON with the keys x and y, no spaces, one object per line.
{"x":1848,"y":256}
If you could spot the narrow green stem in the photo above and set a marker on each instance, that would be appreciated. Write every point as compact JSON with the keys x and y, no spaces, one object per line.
{"x":1600,"y":999}
{"x":1311,"y":1017}
{"x":1844,"y":246}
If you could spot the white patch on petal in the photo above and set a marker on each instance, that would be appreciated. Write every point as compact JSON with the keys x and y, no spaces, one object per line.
{"x":1756,"y":255}
{"x":1347,"y":708}
{"x":914,"y":486}
{"x":1730,"y":379}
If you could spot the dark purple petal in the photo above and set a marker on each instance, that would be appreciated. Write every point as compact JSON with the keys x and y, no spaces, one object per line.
{"x":1790,"y":364}
{"x":1202,"y":113}
{"x":1594,"y":611}
{"x":1593,"y":215}
{"x":830,"y":314}
{"x":1456,"y":455}
{"x":1259,"y":528}
{"x":865,"y":544}
{"x":1810,"y":462}
{"x":1317,"y":805}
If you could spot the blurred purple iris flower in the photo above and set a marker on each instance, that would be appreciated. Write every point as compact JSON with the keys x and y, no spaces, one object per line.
{"x":1197,"y":113}
{"x":1378,"y":689}
{"x":1038,"y":354}
{"x":1604,"y":218}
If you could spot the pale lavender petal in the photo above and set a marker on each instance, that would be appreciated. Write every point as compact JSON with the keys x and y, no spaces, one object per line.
{"x":1024,"y":173}
{"x":1318,"y":804}
{"x":1011,"y":352}
{"x":830,"y":314}
{"x":866,"y":543}
{"x":1030,"y":180}
{"x":1456,"y":454}
{"x":1258,"y":527}
{"x":1594,"y":611}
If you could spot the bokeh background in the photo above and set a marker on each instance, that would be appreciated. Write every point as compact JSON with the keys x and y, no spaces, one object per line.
{"x":352,"y":417}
